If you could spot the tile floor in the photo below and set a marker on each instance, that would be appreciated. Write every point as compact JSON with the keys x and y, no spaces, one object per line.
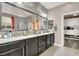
{"x":60,"y":51}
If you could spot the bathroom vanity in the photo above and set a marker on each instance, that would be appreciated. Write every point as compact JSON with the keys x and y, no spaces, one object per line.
{"x":31,"y":45}
{"x":24,"y":30}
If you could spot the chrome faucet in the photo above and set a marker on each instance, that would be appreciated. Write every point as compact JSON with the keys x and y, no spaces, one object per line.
{"x":8,"y":34}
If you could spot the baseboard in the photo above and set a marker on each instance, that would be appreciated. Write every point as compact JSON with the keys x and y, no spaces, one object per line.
{"x":58,"y":44}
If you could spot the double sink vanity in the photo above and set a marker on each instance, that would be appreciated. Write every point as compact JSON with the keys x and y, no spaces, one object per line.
{"x":31,"y":45}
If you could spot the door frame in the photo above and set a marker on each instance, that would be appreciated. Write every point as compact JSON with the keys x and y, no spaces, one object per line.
{"x":62,"y":25}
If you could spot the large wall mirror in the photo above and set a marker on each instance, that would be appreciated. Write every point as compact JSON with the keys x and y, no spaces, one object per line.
{"x":13,"y":22}
{"x":16,"y":19}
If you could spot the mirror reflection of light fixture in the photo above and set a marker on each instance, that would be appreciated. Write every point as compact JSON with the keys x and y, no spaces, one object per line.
{"x":20,"y":15}
{"x":43,"y":14}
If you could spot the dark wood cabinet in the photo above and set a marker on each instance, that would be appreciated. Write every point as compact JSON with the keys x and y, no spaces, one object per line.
{"x":42,"y":43}
{"x":50,"y":40}
{"x":32,"y":47}
{"x":12,"y":49}
{"x":28,"y":47}
{"x":14,"y":52}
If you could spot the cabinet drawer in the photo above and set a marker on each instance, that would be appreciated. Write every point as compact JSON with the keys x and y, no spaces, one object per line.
{"x":14,"y":52}
{"x":42,"y":43}
{"x":42,"y":38}
{"x":52,"y":38}
{"x":42,"y":48}
{"x":10,"y":46}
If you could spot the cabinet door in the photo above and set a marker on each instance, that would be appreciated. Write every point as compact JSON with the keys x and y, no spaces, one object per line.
{"x":42,"y":43}
{"x":48,"y":40}
{"x":12,"y":49}
{"x":33,"y":47}
{"x":27,"y":48}
{"x":52,"y":39}
{"x":14,"y":52}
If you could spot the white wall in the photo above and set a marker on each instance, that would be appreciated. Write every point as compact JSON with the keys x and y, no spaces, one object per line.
{"x":55,"y":14}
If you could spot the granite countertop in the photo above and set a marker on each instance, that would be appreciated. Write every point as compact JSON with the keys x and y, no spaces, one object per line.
{"x":3,"y":40}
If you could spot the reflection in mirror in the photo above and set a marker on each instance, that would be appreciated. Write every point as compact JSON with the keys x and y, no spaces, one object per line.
{"x":14,"y":22}
{"x":50,"y":24}
{"x":31,"y":23}
{"x":6,"y":23}
{"x":43,"y":23}
{"x":18,"y":22}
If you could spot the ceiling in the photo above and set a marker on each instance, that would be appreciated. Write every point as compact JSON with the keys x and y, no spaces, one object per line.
{"x":47,"y":5}
{"x":22,"y":13}
{"x":50,"y":5}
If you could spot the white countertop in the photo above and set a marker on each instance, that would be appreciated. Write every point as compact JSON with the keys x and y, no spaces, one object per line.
{"x":3,"y":40}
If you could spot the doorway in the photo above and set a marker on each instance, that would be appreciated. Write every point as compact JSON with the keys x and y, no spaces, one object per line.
{"x":70,"y":29}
